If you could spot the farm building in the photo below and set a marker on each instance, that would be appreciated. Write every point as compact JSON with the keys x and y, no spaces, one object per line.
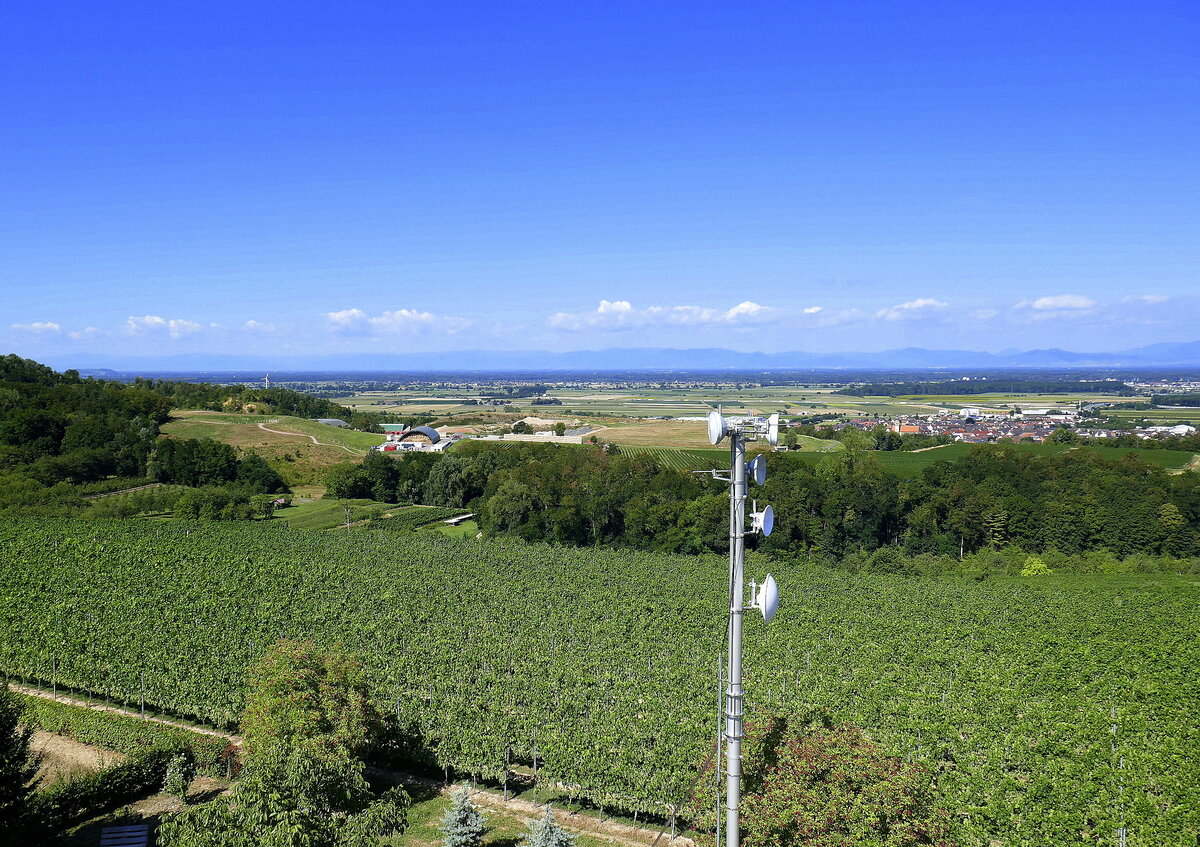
{"x":421,"y":439}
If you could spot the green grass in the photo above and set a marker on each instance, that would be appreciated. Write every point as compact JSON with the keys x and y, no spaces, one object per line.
{"x":411,"y":518}
{"x":328,"y":514}
{"x":217,"y":425}
{"x":466,"y":529}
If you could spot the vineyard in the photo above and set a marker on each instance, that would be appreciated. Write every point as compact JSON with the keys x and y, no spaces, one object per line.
{"x":1053,"y":710}
{"x":680,"y":459}
{"x":415,"y":517}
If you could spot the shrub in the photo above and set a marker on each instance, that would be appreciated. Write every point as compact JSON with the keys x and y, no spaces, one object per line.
{"x":809,"y":782}
{"x":180,"y":773}
{"x":462,"y":825}
{"x":86,"y":797}
{"x":1035,"y":567}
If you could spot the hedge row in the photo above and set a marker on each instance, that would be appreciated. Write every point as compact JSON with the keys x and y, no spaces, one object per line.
{"x":123,"y":733}
{"x":86,"y":797}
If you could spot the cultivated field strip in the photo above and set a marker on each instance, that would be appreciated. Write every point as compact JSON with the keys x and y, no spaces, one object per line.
{"x":1051,"y":711}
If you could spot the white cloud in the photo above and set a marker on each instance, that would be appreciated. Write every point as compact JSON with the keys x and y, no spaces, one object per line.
{"x":409,"y":320}
{"x":1148,"y":298}
{"x":911,"y":309}
{"x":175,"y":327}
{"x":1063,"y":301}
{"x":40,"y":327}
{"x":357,"y":322}
{"x":812,"y":310}
{"x":620,"y":314}
{"x":146,"y":323}
{"x":347,"y":320}
{"x":180,"y":328}
{"x":257,"y":326}
{"x":89,"y":332}
{"x":984,"y":314}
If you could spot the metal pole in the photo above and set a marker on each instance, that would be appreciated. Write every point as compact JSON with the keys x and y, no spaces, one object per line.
{"x":733,"y":694}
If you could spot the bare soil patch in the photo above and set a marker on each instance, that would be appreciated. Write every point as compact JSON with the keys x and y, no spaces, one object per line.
{"x":64,"y":759}
{"x":659,"y":434}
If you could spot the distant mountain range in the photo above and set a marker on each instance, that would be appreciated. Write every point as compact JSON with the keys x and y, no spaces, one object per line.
{"x":630,"y":359}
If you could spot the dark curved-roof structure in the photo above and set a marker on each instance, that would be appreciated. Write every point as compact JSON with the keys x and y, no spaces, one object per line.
{"x":428,"y":432}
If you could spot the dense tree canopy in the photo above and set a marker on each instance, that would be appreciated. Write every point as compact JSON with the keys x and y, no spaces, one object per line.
{"x":995,"y":497}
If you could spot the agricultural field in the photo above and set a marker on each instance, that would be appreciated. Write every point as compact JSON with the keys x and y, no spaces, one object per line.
{"x":1161,"y":415}
{"x":1050,"y":710}
{"x":644,"y":402}
{"x":907,"y":463}
{"x":681,"y":460}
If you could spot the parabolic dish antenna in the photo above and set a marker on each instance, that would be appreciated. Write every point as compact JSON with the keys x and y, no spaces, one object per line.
{"x":764,"y":521}
{"x":773,"y":429}
{"x":716,"y":427}
{"x":758,"y":470}
{"x":767,"y":600}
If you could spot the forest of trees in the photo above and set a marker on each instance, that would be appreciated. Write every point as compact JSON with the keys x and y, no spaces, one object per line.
{"x":241,"y":398}
{"x":1176,"y":399}
{"x":60,"y":432}
{"x":994,"y":498}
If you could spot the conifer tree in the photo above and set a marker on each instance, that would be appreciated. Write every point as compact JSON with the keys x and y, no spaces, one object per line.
{"x":547,"y":833}
{"x":462,"y":825}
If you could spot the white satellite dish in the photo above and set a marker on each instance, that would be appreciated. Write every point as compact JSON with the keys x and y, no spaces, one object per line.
{"x":766,"y":600}
{"x":757,"y":470}
{"x":773,"y":429}
{"x":716,"y":427}
{"x":763,"y":521}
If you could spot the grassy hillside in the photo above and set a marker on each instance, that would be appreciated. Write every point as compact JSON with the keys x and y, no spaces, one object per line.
{"x":286,"y":442}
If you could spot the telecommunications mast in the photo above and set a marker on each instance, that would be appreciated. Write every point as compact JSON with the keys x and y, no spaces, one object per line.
{"x":764,"y":597}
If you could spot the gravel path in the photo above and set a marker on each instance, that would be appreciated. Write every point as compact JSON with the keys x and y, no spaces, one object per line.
{"x":266,"y":428}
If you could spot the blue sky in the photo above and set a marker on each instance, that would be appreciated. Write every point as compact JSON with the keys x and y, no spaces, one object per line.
{"x":323,"y":178}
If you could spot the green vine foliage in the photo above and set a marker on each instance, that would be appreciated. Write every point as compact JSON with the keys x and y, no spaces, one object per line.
{"x":1043,"y":708}
{"x":86,"y":797}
